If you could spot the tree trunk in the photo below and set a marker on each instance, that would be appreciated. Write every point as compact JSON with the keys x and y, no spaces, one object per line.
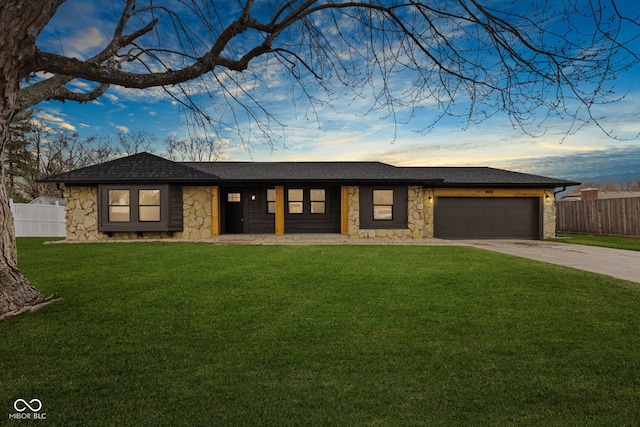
{"x":16,"y":292}
{"x":22,"y":21}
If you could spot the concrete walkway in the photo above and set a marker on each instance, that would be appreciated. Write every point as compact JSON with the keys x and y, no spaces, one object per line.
{"x":617,"y":263}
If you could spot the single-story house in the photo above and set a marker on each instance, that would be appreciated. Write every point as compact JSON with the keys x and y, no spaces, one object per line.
{"x":146,"y":196}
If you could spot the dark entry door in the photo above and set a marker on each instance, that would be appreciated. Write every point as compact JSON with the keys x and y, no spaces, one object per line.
{"x":234,"y":212}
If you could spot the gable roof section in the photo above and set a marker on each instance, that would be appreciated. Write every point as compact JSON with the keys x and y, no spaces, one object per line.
{"x":142,"y":167}
{"x":145,"y":167}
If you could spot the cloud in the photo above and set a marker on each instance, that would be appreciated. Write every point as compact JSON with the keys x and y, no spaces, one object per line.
{"x":85,"y":41}
{"x":121,"y":128}
{"x":55,"y":119}
{"x":67,"y":126}
{"x":111,"y":97}
{"x":612,"y":163}
{"x":80,"y":85}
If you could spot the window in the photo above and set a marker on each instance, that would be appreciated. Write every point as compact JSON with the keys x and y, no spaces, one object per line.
{"x":149,"y":205}
{"x":140,"y":208}
{"x":296,"y":201}
{"x":384,"y":208}
{"x":383,"y":205}
{"x":271,"y":200}
{"x":234,"y":197}
{"x":318,"y":201}
{"x":119,"y":206}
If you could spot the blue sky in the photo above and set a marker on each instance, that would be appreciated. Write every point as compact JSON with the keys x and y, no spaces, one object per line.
{"x":346,"y":130}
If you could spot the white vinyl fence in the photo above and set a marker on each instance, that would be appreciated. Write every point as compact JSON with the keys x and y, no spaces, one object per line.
{"x":38,"y":220}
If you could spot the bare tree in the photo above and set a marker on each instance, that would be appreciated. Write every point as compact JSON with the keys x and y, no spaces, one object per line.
{"x":530,"y":60}
{"x":609,"y":185}
{"x":34,"y":150}
{"x":196,"y":149}
{"x":136,"y":142}
{"x":56,"y":152}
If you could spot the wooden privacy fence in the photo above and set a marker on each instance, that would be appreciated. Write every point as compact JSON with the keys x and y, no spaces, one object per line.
{"x":38,"y":220}
{"x":614,"y":217}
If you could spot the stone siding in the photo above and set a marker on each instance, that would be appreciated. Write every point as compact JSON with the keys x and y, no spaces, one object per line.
{"x":82,"y":216}
{"x":82,"y":213}
{"x":196,"y":203}
{"x":549,"y":215}
{"x":419,"y":220}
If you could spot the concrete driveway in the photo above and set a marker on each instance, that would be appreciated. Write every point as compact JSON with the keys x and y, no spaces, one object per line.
{"x":617,"y":263}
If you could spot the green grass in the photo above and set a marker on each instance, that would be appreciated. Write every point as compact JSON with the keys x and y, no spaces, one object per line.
{"x":629,"y":243}
{"x":172,"y":334}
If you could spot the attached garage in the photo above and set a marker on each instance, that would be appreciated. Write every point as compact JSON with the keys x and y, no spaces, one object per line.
{"x":488,"y":218}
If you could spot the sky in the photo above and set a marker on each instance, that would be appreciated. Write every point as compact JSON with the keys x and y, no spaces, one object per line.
{"x":346,"y":130}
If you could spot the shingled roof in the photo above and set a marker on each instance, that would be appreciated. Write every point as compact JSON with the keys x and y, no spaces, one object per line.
{"x":142,"y":167}
{"x":145,"y":167}
{"x":338,"y":172}
{"x":486,"y":176}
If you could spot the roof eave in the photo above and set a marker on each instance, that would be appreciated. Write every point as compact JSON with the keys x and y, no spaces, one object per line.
{"x":507,"y":185}
{"x":237,"y":182}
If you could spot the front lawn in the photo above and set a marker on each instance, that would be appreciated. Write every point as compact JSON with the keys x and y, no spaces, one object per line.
{"x":172,"y":334}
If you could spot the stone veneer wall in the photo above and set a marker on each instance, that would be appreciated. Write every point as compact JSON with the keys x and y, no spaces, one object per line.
{"x":549,"y":215}
{"x":196,"y":202}
{"x":82,"y":216}
{"x":82,"y":213}
{"x":419,"y":221}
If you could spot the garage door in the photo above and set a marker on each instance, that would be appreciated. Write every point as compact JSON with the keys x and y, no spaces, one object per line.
{"x":487,"y":218}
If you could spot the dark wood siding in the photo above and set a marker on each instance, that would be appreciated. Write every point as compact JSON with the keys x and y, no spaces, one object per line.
{"x":170,"y":209}
{"x":175,"y":208}
{"x":259,"y":221}
{"x":329,"y":222}
{"x":400,"y":206}
{"x":487,"y":218}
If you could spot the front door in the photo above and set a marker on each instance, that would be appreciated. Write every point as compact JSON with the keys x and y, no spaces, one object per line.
{"x":234,"y":212}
